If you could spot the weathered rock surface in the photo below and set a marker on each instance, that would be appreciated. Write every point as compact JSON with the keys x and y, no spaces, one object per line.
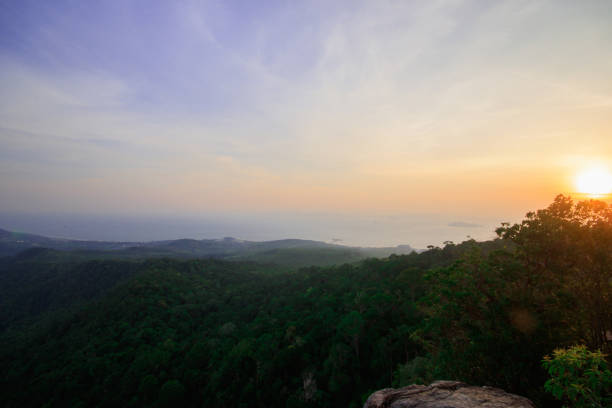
{"x":446,"y":394}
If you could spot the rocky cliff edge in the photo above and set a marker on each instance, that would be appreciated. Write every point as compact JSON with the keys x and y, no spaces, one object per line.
{"x":446,"y":394}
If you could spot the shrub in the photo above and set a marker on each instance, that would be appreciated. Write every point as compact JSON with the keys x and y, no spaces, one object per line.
{"x":580,"y":377}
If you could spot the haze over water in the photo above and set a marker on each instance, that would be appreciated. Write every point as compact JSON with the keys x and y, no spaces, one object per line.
{"x":417,"y":230}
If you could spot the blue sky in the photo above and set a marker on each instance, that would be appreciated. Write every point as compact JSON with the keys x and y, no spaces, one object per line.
{"x":455,"y":108}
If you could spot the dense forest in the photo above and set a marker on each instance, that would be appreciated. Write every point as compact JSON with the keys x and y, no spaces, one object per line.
{"x":209,"y":332}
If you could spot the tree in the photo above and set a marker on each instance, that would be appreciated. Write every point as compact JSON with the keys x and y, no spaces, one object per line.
{"x":550,"y":287}
{"x":579,"y":376}
{"x":566,"y":254}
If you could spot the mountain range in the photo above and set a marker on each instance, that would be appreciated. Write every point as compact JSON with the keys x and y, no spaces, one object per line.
{"x":289,"y":252}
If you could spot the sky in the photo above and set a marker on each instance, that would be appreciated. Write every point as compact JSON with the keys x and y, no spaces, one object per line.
{"x":375,"y":122}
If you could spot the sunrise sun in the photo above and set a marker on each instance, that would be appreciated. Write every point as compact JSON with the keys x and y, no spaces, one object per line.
{"x":594,"y":181}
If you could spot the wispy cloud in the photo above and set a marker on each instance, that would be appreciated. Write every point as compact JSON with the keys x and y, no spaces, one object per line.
{"x":363,"y":106}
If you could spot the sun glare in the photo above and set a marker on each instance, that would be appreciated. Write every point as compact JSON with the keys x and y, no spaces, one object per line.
{"x":594,"y":181}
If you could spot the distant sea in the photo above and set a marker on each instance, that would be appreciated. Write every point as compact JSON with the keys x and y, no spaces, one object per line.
{"x":416,"y":230}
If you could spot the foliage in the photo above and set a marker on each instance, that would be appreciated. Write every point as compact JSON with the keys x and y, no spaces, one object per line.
{"x":217,"y":333}
{"x":481,"y":330}
{"x":490,"y":317}
{"x":162,"y":332}
{"x":579,"y":376}
{"x":419,"y":370}
{"x":565,"y":253}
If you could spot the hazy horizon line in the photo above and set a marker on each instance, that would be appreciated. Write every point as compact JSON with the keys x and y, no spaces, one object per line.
{"x":415,"y":230}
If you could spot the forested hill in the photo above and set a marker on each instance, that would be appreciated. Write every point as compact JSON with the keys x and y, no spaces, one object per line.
{"x":288,"y":252}
{"x":176,"y":332}
{"x":167,"y":331}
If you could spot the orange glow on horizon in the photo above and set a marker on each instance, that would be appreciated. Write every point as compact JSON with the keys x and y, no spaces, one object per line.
{"x":595,"y":182}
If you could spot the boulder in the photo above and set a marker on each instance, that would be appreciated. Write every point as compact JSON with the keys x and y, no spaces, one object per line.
{"x":446,"y":394}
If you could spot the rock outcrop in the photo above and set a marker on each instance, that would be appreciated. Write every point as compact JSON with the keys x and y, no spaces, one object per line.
{"x":445,"y":394}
